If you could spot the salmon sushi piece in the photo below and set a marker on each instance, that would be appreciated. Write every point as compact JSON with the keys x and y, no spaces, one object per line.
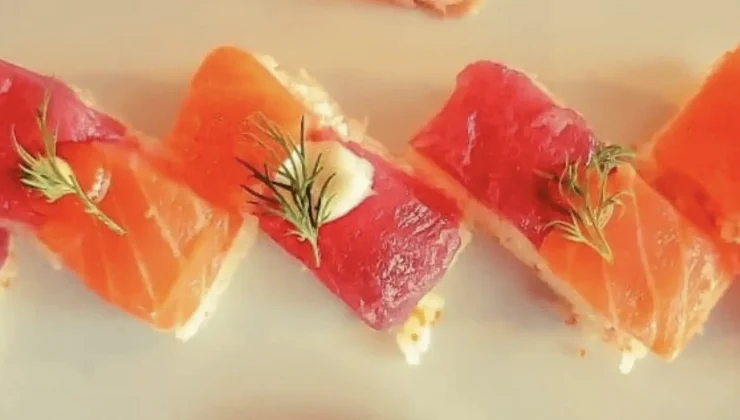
{"x":530,"y":172}
{"x":375,"y":236}
{"x":7,"y":264}
{"x":140,"y":239}
{"x":646,"y":276}
{"x":693,"y":160}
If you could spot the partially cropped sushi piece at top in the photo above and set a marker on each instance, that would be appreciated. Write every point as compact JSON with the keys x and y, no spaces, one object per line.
{"x":375,"y":236}
{"x":529,"y":171}
{"x":86,"y":188}
{"x":442,"y":8}
{"x":694,"y":160}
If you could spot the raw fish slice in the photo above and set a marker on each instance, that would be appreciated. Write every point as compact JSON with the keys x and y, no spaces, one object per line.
{"x":176,"y":253}
{"x":21,"y":92}
{"x":7,"y":265}
{"x":380,"y":257}
{"x":520,"y":164}
{"x":229,"y":86}
{"x":694,"y":160}
{"x":492,"y":140}
{"x":665,"y":278}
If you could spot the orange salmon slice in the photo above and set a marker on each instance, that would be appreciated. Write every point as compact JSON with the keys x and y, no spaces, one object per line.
{"x":178,"y":252}
{"x":664,"y":279}
{"x":213,"y":125}
{"x":695,"y":159}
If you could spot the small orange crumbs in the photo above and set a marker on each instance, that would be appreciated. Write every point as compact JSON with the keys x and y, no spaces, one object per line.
{"x":571,"y":320}
{"x":437,"y":317}
{"x":581,"y":352}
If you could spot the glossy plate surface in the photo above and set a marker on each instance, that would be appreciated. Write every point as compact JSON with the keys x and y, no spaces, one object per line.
{"x":280,"y":347}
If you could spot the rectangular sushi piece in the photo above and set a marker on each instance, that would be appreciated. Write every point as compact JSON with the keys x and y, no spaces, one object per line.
{"x":375,"y":236}
{"x":83,"y":184}
{"x":694,"y":160}
{"x":530,"y":172}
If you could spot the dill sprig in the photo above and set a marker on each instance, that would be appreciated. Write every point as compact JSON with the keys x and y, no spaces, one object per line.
{"x":293,"y":190}
{"x":52,"y":176}
{"x":590,"y":214}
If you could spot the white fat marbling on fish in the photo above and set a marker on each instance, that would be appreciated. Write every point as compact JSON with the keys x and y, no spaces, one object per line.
{"x":138,"y":257}
{"x":5,"y":85}
{"x":472,"y":130}
{"x":556,"y":120}
{"x":99,"y":188}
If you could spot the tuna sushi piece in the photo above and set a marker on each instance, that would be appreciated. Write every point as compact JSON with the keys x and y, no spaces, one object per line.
{"x":693,"y":160}
{"x":529,"y":172}
{"x":135,"y":236}
{"x":376,"y":237}
{"x":496,"y":135}
{"x":7,"y":265}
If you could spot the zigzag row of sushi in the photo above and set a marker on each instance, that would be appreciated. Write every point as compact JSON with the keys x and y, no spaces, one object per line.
{"x":157,"y":228}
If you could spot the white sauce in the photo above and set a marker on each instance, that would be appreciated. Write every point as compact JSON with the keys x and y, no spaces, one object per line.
{"x":353,"y":179}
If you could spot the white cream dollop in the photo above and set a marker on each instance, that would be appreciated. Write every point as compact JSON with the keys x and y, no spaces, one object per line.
{"x":353,"y":175}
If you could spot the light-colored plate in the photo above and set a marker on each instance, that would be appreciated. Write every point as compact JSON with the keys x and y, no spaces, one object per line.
{"x":280,"y":347}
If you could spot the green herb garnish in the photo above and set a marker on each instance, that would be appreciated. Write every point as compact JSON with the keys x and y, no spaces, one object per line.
{"x":293,"y":191}
{"x":590,"y":214}
{"x":52,"y":176}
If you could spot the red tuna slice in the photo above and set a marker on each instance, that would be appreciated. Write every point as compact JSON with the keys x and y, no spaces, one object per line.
{"x":7,"y":268}
{"x":387,"y":253}
{"x":495,"y":136}
{"x":21,"y":93}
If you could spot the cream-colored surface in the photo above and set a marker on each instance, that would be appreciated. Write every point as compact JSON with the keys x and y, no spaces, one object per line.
{"x":280,"y":347}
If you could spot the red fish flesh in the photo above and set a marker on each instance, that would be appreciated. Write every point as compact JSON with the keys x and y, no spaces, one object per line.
{"x":530,"y":172}
{"x":21,"y":92}
{"x":382,"y":257}
{"x":496,"y":135}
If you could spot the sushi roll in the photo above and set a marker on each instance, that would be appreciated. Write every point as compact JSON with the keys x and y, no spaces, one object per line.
{"x":7,"y":265}
{"x":693,"y":160}
{"x":530,"y":172}
{"x":375,"y":236}
{"x":84,"y":186}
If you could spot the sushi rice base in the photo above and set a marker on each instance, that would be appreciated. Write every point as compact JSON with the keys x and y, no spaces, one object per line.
{"x":8,"y":269}
{"x":512,"y":239}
